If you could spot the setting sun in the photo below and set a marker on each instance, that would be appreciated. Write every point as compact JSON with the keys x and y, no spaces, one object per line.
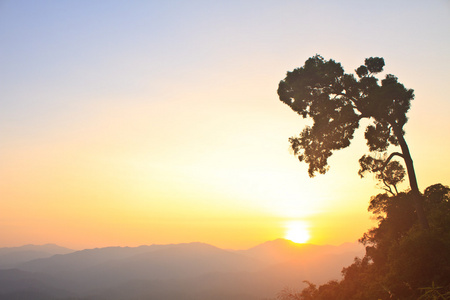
{"x":297,"y":231}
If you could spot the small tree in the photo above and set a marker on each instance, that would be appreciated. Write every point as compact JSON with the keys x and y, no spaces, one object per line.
{"x":336,"y":102}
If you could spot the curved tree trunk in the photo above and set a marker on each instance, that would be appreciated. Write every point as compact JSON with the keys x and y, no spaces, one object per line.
{"x":417,"y":196}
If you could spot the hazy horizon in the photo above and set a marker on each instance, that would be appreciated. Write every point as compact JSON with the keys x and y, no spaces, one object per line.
{"x":192,"y":242}
{"x":191,"y":271}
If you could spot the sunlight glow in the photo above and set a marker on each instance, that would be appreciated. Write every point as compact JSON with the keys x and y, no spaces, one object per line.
{"x":297,"y":231}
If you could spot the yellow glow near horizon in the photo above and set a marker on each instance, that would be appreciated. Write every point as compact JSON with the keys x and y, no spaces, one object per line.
{"x":297,"y":231}
{"x":143,"y":146}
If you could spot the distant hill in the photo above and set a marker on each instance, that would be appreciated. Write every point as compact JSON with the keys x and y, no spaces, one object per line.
{"x":282,"y":263}
{"x":94,"y":268}
{"x":182,"y":271}
{"x":10,"y":257}
{"x":16,"y":284}
{"x":282,"y":250}
{"x":83,"y":259}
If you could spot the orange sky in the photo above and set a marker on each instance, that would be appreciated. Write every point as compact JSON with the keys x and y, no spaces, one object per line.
{"x":143,"y":131}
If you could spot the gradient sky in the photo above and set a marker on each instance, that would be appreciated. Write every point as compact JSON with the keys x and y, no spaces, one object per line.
{"x":142,"y":122}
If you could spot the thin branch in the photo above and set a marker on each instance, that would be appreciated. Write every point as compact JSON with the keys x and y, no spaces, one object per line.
{"x":353,"y":99}
{"x":389,"y":159}
{"x":388,"y":189}
{"x":381,"y":169}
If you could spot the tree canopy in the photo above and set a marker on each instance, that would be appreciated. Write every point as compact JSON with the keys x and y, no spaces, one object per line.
{"x":336,"y":102}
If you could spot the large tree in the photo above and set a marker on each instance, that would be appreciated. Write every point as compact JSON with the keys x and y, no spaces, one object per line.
{"x":337,"y":102}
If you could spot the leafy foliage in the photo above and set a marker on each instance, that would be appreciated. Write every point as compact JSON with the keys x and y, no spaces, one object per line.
{"x":336,"y":102}
{"x":402,"y":261}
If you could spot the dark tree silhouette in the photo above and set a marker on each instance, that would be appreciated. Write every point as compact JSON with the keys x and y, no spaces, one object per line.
{"x":401,"y":261}
{"x":336,"y":102}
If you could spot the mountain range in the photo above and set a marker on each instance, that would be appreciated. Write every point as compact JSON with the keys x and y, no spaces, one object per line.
{"x":176,"y":271}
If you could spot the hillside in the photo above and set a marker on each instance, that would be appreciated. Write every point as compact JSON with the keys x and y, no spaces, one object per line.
{"x":12,"y":256}
{"x":194,"y":270}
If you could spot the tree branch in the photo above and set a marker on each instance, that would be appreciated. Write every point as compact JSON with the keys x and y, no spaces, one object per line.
{"x":353,"y":99}
{"x":388,"y":189}
{"x":389,"y":159}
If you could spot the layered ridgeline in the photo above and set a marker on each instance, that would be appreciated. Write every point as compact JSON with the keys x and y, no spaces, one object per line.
{"x":13,"y":256}
{"x":178,"y":271}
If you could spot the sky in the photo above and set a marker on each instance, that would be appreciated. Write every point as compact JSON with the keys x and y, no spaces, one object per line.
{"x":124,"y":123}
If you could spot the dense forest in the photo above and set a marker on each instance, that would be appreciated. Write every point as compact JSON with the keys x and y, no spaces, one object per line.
{"x":402,"y":260}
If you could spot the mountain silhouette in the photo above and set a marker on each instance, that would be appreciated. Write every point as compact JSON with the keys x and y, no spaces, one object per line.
{"x":179,"y":271}
{"x":282,"y":250}
{"x":13,"y":256}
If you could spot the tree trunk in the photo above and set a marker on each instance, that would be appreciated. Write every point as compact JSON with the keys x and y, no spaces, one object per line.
{"x":417,"y":196}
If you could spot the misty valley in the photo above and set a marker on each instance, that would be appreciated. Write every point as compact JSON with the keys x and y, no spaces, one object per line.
{"x":175,"y":271}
